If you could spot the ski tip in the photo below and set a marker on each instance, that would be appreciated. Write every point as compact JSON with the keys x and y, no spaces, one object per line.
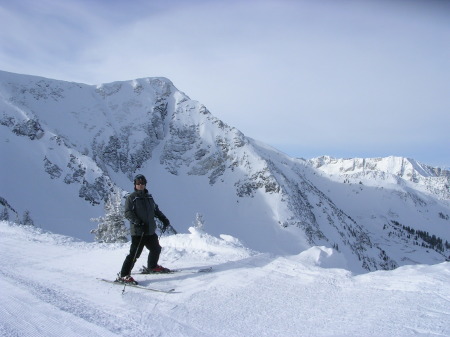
{"x":205,"y":270}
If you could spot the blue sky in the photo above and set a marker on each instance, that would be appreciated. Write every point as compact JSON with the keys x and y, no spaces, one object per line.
{"x":345,"y":78}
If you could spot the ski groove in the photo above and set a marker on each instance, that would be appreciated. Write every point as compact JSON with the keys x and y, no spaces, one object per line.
{"x":75,"y":306}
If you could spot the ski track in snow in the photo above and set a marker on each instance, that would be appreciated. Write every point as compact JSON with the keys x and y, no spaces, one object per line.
{"x":66,"y":312}
{"x":59,"y":301}
{"x":56,"y":305}
{"x":49,"y":289}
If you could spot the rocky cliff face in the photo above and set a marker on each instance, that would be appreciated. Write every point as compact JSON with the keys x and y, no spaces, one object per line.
{"x":76,"y":142}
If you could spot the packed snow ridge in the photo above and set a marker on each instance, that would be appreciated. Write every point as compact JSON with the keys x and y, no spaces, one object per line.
{"x":68,"y":146}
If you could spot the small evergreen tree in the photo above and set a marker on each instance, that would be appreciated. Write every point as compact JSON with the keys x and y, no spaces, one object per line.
{"x":4,"y":215}
{"x":199,"y":222}
{"x":111,"y":227}
{"x":27,"y":221}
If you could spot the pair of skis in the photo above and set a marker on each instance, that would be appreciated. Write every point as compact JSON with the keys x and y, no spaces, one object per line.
{"x":167,"y":291}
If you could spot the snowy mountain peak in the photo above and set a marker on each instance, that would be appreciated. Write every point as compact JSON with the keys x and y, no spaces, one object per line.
{"x":397,"y":170}
{"x":406,"y":168}
{"x":69,"y":145}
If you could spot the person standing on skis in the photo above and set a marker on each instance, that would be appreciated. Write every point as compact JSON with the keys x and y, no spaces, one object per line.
{"x":141,"y":210}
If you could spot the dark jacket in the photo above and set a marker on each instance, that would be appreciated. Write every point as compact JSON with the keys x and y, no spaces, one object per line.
{"x":141,"y":210}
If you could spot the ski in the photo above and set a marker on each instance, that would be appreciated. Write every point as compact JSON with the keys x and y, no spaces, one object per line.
{"x":173,"y":271}
{"x":194,"y":271}
{"x":169,"y":291}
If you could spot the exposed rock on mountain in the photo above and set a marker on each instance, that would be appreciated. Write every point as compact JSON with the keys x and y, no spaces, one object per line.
{"x":67,"y":145}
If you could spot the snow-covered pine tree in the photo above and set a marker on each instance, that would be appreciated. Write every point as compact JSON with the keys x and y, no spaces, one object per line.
{"x":199,"y":222}
{"x":4,"y":215}
{"x":27,"y":221}
{"x":111,"y":227}
{"x":17,"y":221}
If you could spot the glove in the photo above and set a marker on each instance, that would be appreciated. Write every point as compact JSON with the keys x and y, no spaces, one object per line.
{"x":166,"y":223}
{"x":139,"y":228}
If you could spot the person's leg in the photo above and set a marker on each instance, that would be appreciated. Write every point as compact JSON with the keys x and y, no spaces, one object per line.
{"x":135,"y":252}
{"x":152,"y":244}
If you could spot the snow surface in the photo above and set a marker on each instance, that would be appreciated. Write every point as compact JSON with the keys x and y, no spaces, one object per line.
{"x":49,"y":288}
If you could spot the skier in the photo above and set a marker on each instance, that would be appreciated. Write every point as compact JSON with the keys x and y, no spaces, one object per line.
{"x":141,"y":210}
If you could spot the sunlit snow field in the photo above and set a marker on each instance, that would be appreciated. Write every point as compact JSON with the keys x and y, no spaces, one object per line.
{"x":49,"y":288}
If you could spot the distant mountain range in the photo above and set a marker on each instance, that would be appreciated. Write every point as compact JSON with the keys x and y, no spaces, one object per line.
{"x":65,"y":146}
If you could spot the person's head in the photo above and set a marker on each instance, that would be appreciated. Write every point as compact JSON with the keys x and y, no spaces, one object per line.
{"x":140,"y":182}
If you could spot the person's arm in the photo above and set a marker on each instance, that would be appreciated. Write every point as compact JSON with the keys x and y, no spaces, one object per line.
{"x":160,"y":215}
{"x":130,"y":214}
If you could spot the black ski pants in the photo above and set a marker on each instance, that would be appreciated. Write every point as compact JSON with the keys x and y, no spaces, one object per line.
{"x":151,"y":242}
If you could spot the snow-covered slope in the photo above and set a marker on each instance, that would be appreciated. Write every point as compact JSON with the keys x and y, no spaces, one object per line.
{"x":394,"y":198}
{"x":67,"y":145}
{"x":49,"y":288}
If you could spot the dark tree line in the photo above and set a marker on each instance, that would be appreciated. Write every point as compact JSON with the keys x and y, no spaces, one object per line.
{"x":433,"y":241}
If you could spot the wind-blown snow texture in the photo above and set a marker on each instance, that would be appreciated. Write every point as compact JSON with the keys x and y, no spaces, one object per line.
{"x":64,"y":146}
{"x":49,"y":288}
